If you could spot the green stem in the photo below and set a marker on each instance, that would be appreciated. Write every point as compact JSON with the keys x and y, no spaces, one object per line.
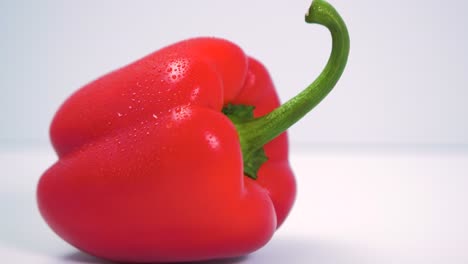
{"x":256,"y":133}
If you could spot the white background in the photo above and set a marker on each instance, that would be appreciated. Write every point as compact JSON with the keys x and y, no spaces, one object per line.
{"x":405,"y":82}
{"x":381,"y":164}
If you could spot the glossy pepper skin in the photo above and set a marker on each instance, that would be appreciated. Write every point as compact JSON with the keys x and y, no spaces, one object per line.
{"x":150,"y":169}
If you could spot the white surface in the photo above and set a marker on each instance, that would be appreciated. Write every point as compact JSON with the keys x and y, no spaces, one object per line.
{"x":367,"y":206}
{"x":405,"y":80}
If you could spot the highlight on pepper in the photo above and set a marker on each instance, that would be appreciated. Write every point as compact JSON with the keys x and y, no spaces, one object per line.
{"x":181,"y":155}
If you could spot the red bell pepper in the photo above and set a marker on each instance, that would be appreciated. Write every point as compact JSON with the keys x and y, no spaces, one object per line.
{"x":153,"y":156}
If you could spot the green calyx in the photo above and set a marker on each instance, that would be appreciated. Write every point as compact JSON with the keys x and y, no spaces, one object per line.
{"x":254,"y":133}
{"x":240,"y":114}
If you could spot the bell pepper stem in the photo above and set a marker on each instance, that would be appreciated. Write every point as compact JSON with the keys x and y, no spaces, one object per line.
{"x":256,"y":133}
